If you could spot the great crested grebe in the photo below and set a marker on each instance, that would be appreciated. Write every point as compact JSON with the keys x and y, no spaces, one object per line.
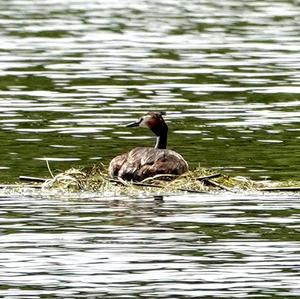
{"x":143,"y":162}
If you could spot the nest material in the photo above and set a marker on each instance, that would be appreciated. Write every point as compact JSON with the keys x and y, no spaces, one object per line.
{"x":95,"y":178}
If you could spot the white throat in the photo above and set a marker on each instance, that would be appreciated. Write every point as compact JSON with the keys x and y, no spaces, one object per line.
{"x":144,"y":121}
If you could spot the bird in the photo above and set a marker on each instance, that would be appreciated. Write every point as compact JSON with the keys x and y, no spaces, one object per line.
{"x":143,"y":162}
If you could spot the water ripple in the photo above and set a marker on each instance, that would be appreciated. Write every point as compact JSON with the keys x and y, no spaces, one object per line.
{"x":221,"y":246}
{"x":74,"y":73}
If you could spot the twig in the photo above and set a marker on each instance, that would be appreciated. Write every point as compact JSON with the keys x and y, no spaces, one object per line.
{"x":191,"y":190}
{"x":124,"y":183}
{"x":211,"y":176}
{"x":212,"y":183}
{"x":158,"y":176}
{"x":116,"y":181}
{"x":49,"y":169}
{"x":2,"y":186}
{"x":292,"y":189}
{"x":31,"y":179}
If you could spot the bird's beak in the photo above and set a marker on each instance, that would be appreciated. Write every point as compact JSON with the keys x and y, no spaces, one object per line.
{"x":134,"y":124}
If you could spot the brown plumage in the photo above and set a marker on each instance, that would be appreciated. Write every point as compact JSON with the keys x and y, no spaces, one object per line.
{"x":143,"y":162}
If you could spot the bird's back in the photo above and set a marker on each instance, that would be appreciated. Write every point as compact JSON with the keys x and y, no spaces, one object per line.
{"x":143,"y":162}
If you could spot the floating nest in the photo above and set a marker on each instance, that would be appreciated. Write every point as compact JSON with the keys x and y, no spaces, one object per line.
{"x":96,"y":179}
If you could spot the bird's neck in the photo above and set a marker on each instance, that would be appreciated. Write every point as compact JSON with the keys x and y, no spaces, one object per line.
{"x":161,"y":140}
{"x":161,"y":131}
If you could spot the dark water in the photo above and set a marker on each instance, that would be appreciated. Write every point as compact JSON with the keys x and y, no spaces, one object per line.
{"x":212,"y":246}
{"x":73,"y":72}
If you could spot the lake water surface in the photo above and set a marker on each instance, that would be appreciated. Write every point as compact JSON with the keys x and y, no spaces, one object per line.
{"x":208,"y":246}
{"x":73,"y":72}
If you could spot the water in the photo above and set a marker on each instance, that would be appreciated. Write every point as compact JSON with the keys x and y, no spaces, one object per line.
{"x":73,"y":72}
{"x":213,"y":246}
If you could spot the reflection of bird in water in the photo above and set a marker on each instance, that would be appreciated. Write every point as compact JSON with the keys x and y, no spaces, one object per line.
{"x":143,"y":162}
